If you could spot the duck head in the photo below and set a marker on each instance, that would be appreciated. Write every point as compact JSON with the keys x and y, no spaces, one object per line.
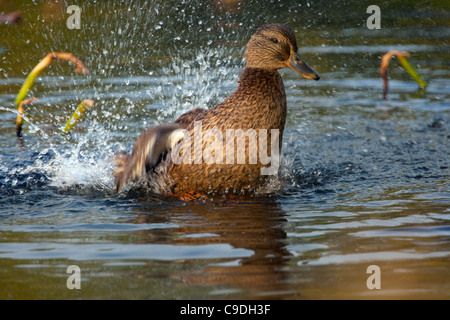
{"x":273,"y":46}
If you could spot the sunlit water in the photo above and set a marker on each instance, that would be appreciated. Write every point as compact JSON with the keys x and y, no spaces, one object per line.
{"x":364,"y":181}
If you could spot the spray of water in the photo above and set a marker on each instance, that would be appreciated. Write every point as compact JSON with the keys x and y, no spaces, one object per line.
{"x":141,"y":73}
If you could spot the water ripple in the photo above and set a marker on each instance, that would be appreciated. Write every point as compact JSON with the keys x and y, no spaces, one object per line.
{"x":164,"y":252}
{"x":372,"y":257}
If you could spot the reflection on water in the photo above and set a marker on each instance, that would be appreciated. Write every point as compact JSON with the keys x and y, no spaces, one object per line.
{"x":363,"y":180}
{"x":260,"y":270}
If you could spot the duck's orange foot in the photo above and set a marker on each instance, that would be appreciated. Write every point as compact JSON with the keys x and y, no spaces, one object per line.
{"x":190,"y":195}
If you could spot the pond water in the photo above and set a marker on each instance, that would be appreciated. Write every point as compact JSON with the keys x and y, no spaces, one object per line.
{"x":364,"y":181}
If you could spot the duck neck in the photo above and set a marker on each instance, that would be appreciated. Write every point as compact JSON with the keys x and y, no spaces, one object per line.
{"x":262,"y":95}
{"x":263,"y":89}
{"x":262,"y":81}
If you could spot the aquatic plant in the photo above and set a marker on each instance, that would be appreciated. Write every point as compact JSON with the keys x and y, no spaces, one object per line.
{"x":29,"y":81}
{"x":402,"y":57}
{"x":85,"y":105}
{"x":19,"y":119}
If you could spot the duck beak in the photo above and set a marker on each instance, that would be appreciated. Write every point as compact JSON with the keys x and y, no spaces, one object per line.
{"x":297,"y":64}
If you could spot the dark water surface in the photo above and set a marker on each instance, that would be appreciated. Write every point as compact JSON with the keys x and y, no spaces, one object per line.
{"x":364,"y":181}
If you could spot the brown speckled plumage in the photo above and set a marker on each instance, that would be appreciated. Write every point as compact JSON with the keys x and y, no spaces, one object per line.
{"x":259,"y":102}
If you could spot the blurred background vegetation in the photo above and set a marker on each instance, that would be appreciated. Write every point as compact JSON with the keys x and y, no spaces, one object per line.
{"x":137,"y":36}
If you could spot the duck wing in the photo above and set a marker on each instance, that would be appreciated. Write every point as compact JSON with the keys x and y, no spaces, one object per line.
{"x":150,"y":147}
{"x":147,"y":153}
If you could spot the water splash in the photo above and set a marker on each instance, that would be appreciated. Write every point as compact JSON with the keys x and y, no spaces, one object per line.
{"x":86,"y":159}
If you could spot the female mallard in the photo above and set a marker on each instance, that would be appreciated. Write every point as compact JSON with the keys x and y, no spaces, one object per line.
{"x":232,"y":147}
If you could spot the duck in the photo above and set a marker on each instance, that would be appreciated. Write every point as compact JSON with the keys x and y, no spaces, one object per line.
{"x":231,"y":148}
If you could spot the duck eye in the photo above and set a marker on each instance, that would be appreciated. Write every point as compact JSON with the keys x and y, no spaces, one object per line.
{"x":274,"y":40}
